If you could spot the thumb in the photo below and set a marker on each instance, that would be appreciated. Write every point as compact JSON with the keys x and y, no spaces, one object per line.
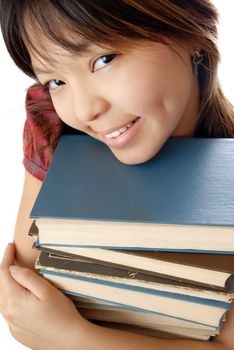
{"x":30,"y":280}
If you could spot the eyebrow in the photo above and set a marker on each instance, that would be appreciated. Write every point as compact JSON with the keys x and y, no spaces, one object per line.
{"x":84,"y":46}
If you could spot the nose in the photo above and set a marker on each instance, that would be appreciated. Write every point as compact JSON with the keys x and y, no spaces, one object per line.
{"x":88,"y":104}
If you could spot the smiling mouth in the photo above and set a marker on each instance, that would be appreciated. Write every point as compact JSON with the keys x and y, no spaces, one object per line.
{"x":116,"y":133}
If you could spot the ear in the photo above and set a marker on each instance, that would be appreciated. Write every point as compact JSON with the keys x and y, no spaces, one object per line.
{"x":197,"y":59}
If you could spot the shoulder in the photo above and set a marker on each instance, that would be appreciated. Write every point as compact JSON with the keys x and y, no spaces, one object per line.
{"x":42,"y":130}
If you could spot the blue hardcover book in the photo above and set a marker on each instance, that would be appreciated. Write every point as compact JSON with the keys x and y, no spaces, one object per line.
{"x":185,"y":307}
{"x":181,"y":200}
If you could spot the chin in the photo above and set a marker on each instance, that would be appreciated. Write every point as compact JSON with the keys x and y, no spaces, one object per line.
{"x":134,"y":159}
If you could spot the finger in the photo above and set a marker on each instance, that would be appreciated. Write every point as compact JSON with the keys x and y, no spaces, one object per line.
{"x":9,"y":256}
{"x":9,"y":286}
{"x":30,"y":280}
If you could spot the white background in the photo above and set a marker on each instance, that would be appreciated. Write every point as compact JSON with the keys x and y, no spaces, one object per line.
{"x":12,"y":93}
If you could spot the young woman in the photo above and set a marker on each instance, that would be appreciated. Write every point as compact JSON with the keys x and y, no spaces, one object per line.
{"x":131,"y":74}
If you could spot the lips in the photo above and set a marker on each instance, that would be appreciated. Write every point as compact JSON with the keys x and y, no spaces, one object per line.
{"x":119,"y":131}
{"x":120,"y":137}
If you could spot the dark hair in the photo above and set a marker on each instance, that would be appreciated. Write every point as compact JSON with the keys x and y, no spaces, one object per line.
{"x":122,"y":23}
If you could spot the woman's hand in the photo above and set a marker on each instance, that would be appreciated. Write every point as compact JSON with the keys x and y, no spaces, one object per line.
{"x":39,"y":315}
{"x":42,"y":318}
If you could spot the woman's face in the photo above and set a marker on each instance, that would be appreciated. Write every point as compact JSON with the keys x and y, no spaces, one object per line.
{"x":132,"y":101}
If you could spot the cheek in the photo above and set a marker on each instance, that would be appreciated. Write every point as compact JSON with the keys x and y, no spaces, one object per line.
{"x":61,"y":106}
{"x":157,"y":91}
{"x":156,"y":79}
{"x":64,"y":109}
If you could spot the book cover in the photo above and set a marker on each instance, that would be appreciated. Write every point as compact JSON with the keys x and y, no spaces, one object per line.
{"x":105,"y":273}
{"x":211,"y":270}
{"x":184,"y":196}
{"x":201,"y":310}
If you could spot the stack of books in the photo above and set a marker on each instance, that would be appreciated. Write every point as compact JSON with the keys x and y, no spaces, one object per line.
{"x":148,"y":248}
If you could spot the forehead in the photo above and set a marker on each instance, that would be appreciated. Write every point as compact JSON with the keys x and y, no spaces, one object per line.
{"x":48,"y":35}
{"x":38,"y":43}
{"x":56,"y":40}
{"x":47,"y":53}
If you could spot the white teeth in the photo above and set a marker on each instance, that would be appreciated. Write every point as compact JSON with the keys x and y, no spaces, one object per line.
{"x":116,"y":133}
{"x":124,"y":128}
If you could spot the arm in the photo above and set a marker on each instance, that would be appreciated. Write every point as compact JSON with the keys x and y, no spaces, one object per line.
{"x":29,"y":304}
{"x":25,"y":255}
{"x":103,"y":339}
{"x":42,"y":318}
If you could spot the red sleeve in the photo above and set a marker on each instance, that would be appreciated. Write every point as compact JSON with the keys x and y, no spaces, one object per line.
{"x":41,"y":131}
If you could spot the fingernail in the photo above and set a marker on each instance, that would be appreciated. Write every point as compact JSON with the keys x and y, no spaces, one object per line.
{"x":14,"y":269}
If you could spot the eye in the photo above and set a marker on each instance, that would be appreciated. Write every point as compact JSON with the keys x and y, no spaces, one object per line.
{"x":100,"y":62}
{"x":53,"y":84}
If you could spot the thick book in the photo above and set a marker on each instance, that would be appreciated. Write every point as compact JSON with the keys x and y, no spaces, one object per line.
{"x":151,"y":332}
{"x":205,"y":310}
{"x":180,"y":200}
{"x":210,"y":270}
{"x":147,"y":320}
{"x":97,"y":310}
{"x":105,"y":273}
